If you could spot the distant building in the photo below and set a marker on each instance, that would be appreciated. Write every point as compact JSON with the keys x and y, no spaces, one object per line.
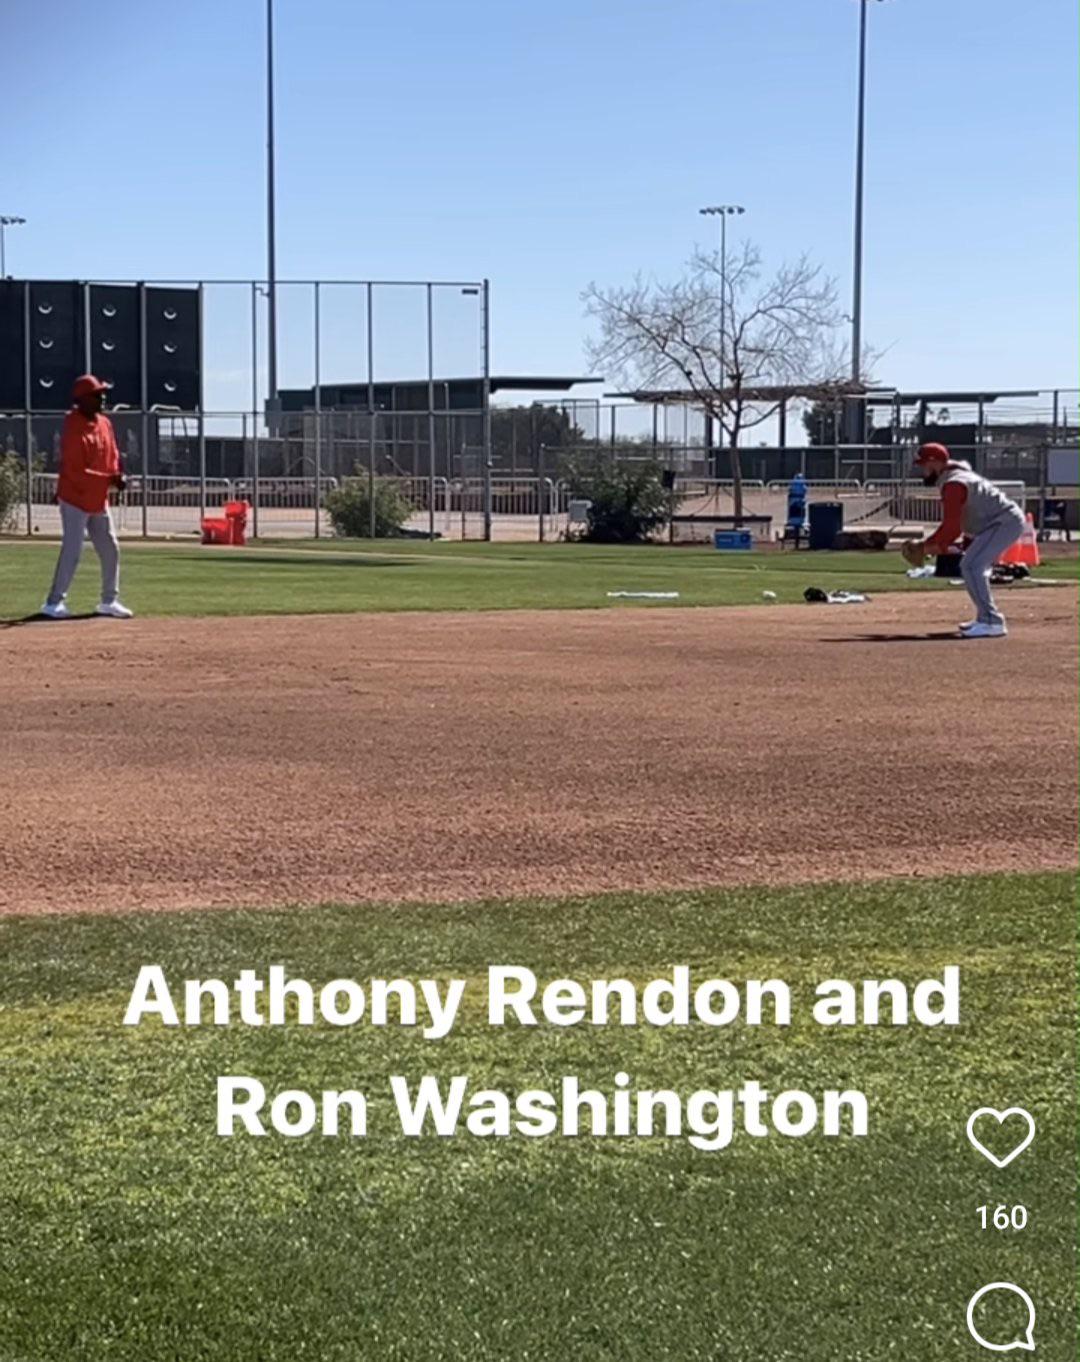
{"x":387,"y":426}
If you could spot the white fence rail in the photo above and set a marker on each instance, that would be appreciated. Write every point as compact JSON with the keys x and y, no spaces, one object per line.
{"x":506,"y":508}
{"x":282,"y":494}
{"x":891,"y":504}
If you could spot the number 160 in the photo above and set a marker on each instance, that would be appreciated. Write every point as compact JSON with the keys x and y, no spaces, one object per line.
{"x":1003,"y":1217}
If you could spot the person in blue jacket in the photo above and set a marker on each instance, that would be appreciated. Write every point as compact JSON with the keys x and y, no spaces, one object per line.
{"x":796,"y":504}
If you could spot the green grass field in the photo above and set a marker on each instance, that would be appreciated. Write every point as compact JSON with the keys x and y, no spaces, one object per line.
{"x":130,"y":1231}
{"x":339,"y":576}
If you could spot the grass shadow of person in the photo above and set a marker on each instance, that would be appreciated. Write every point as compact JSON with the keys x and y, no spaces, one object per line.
{"x":282,"y":559}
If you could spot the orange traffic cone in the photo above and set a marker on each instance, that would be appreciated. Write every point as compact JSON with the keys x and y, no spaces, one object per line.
{"x":1026,"y":548}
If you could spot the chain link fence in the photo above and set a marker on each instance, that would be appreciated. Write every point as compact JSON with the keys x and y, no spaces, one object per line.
{"x":361,"y":392}
{"x":286,"y":486}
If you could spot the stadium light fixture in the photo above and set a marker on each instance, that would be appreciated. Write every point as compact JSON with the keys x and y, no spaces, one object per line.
{"x":6,"y":221}
{"x":723,"y":211}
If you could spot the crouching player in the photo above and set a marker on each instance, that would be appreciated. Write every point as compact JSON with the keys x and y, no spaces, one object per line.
{"x":973,"y":507}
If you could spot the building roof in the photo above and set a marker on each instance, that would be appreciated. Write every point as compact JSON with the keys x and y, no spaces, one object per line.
{"x":498,"y":382}
{"x":874,"y":397}
{"x":525,"y":382}
{"x":887,"y":396}
{"x":785,"y":392}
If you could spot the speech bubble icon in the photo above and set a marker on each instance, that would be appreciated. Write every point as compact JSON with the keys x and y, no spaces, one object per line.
{"x":1025,"y":1344}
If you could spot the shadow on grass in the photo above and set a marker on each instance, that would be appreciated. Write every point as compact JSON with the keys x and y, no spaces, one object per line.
{"x":282,"y":560}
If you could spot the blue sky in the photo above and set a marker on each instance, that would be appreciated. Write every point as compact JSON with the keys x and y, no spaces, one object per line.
{"x":546,"y":146}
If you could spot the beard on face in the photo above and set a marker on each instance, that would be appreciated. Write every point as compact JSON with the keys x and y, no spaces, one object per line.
{"x":930,"y":479}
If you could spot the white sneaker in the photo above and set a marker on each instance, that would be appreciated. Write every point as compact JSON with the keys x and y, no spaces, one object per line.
{"x":114,"y":610}
{"x":978,"y":630}
{"x":968,"y":624}
{"x":59,"y":611}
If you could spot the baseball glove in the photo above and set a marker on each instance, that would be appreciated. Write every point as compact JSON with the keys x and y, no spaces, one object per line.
{"x":914,"y":553}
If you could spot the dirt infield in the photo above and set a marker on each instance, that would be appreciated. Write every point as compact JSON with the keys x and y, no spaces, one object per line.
{"x":172,"y":763}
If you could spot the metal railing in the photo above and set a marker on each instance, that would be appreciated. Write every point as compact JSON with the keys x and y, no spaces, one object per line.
{"x":497,"y":507}
{"x":153,"y":505}
{"x":175,"y":479}
{"x":703,"y":504}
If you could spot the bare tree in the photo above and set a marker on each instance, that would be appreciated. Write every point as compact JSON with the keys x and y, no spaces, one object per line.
{"x":724,"y":337}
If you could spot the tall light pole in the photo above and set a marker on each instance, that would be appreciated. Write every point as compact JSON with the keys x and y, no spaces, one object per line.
{"x":5,"y":222}
{"x":860,"y":142}
{"x":271,"y":234}
{"x":723,"y":211}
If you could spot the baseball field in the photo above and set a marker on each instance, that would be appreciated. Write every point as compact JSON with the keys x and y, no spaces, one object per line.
{"x":415,"y":763}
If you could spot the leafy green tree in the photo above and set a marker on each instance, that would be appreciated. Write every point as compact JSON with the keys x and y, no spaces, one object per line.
{"x":12,"y":488}
{"x":518,"y":432}
{"x":629,"y":501}
{"x":823,"y":422}
{"x":358,"y":509}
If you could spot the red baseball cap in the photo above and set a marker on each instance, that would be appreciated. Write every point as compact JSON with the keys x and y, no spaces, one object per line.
{"x":932,"y":453}
{"x":86,"y":385}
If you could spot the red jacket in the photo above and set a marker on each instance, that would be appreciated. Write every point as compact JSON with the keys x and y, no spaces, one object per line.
{"x":89,"y":461}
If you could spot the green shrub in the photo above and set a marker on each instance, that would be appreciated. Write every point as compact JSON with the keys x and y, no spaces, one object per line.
{"x":350,"y":508}
{"x":629,"y":500}
{"x":12,"y":489}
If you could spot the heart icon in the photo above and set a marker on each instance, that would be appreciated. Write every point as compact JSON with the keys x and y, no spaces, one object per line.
{"x":1001,"y":1117}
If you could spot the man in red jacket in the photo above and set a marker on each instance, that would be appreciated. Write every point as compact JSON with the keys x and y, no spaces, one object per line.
{"x":89,"y":467}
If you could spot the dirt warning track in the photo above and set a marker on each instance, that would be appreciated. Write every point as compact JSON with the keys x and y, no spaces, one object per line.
{"x":182,"y":763}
